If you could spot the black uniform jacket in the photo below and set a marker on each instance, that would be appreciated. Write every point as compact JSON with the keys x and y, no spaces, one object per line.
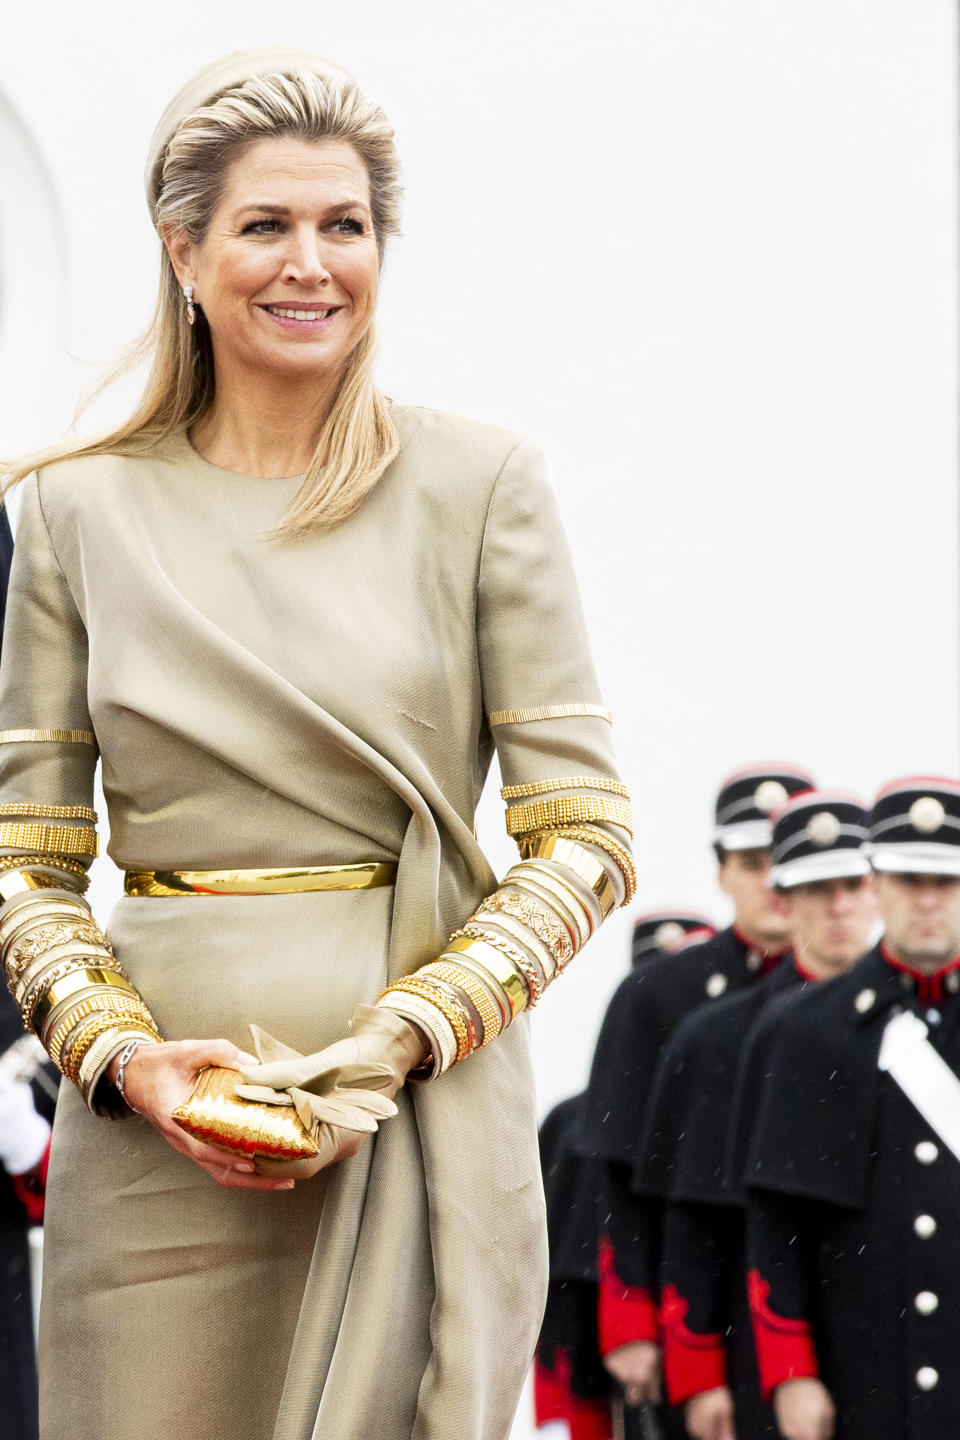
{"x":707,"y":1339}
{"x":641,"y":1017}
{"x":570,"y":1186}
{"x":853,"y":1242}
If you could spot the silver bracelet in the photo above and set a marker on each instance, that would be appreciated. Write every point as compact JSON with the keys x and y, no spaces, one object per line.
{"x":129,"y":1050}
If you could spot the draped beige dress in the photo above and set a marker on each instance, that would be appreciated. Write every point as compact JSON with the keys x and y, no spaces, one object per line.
{"x":258,"y":703}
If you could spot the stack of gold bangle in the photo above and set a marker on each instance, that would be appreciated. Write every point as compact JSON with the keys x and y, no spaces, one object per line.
{"x":500,"y":960}
{"x":70,"y":987}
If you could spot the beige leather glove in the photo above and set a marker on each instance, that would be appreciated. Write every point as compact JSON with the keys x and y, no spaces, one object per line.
{"x":341,"y":1092}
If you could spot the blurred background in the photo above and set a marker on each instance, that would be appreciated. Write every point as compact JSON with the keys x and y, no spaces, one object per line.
{"x":704,"y":254}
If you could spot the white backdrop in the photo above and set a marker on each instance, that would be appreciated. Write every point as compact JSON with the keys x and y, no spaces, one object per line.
{"x":703,"y":253}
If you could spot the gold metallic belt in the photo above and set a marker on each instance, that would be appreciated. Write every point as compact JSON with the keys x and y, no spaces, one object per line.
{"x":289,"y":880}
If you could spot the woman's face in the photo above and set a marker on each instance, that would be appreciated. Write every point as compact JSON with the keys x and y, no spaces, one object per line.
{"x":287,"y":273}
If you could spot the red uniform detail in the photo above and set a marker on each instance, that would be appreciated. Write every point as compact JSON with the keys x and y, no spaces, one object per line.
{"x":553,"y":1399}
{"x":929,"y":988}
{"x":692,"y":1362}
{"x":625,"y":1313}
{"x":31,"y":1189}
{"x":784,"y":1347}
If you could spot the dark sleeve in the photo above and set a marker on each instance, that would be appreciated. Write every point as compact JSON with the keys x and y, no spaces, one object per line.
{"x":628,"y":1260}
{"x":698,"y":1246}
{"x":6,"y":559}
{"x":782,"y":1237}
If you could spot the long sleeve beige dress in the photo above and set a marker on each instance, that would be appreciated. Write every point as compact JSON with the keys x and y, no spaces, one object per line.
{"x":259,"y":702}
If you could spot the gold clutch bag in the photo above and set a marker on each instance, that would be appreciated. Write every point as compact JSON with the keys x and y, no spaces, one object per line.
{"x":215,"y":1113}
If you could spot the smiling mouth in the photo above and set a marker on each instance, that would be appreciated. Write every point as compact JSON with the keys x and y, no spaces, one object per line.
{"x":285,"y":313}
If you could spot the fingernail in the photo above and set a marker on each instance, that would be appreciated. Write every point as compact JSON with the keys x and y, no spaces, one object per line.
{"x":246,"y":1166}
{"x":286,"y":1185}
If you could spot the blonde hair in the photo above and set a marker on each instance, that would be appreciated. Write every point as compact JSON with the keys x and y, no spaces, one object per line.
{"x":358,"y":439}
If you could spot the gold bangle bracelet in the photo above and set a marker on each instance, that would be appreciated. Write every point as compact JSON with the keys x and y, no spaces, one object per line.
{"x":48,"y":812}
{"x":562,"y":892}
{"x":490,"y":983}
{"x":122,"y":1007}
{"x":461,"y":1001}
{"x":92,"y":978}
{"x":535,"y":913}
{"x":34,"y":906}
{"x":568,"y":810}
{"x":65,"y":839}
{"x":511,"y":929}
{"x":38,"y":981}
{"x":449,"y":1009}
{"x":43,"y":940}
{"x":528,"y":969}
{"x":82,"y":1037}
{"x":559,"y":905}
{"x":563,"y":782}
{"x":591,"y":870}
{"x":491,"y":1016}
{"x":55,"y":964}
{"x":51,"y":862}
{"x":488,"y":958}
{"x":593,"y":835}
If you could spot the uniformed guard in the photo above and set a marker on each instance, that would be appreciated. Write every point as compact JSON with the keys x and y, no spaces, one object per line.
{"x":640,"y":1019}
{"x":821,"y":871}
{"x":570,"y":1382}
{"x":664,"y":932}
{"x":854,"y":1165}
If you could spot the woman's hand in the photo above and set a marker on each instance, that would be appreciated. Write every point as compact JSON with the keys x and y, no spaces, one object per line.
{"x":637,"y":1367}
{"x":158,"y":1077}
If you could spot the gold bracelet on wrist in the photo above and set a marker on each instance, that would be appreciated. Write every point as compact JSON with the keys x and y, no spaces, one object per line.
{"x":496,"y":991}
{"x":47,"y":862}
{"x":544,"y":920}
{"x":488,"y":958}
{"x":591,"y":870}
{"x":49,"y":839}
{"x":49,"y":945}
{"x":490,"y":1013}
{"x":100,"y":1044}
{"x":119,"y":1007}
{"x":449,"y":1009}
{"x":568,"y":810}
{"x":564,"y":782}
{"x":560,"y":892}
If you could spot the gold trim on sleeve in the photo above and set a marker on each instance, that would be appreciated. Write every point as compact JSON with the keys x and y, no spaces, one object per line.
{"x":48,"y":812}
{"x":62,"y":839}
{"x":563,"y":782}
{"x":59,"y":737}
{"x":547,"y":712}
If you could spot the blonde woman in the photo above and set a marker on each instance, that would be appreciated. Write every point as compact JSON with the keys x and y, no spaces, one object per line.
{"x":292,"y":619}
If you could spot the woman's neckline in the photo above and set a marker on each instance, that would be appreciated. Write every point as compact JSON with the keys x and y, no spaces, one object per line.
{"x":186,"y":446}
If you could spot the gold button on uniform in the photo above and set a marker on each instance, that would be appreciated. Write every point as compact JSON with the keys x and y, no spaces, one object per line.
{"x":925,"y":1226}
{"x":926,"y":1302}
{"x":926,"y":1152}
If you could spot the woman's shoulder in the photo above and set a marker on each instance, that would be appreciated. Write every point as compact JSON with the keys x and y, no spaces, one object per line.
{"x":445,"y":436}
{"x":74,"y":482}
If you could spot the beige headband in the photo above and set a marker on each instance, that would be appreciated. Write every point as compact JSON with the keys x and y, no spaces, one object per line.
{"x":212,"y":80}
